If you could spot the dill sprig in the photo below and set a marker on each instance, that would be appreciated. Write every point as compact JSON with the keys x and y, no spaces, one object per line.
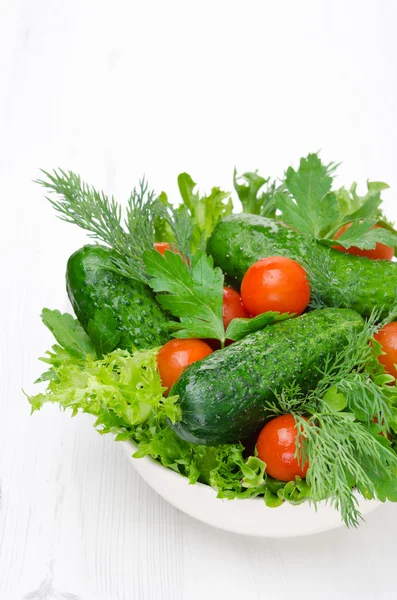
{"x":326,"y":289}
{"x":82,"y":205}
{"x":335,"y":424}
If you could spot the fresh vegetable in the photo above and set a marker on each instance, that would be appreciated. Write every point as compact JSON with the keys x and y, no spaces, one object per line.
{"x":225,"y":397}
{"x":380,"y":252}
{"x":114,"y":311}
{"x":277,"y":284}
{"x":232,"y":307}
{"x":327,"y":372}
{"x":176,"y":355}
{"x":387,"y":338}
{"x":123,"y":391}
{"x":336,"y":278}
{"x":276,"y":446}
{"x":161,"y":247}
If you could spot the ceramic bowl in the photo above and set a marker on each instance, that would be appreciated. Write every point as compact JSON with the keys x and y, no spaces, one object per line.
{"x":248,"y":517}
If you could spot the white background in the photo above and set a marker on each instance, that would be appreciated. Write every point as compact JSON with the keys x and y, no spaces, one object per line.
{"x":114,"y":90}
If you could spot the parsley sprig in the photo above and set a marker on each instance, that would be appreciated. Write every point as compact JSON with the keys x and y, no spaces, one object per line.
{"x":307,"y":203}
{"x":195,"y":292}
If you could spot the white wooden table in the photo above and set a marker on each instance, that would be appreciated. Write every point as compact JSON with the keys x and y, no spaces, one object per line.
{"x":113,"y":90}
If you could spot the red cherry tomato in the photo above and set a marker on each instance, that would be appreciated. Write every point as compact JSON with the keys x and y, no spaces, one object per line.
{"x":161,"y":247}
{"x":387,"y":337}
{"x":276,"y":446}
{"x":380,"y":252}
{"x":233,"y":307}
{"x":175,"y":355}
{"x":275,"y":283}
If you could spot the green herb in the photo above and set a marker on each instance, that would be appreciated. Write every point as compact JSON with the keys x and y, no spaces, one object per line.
{"x":239,"y":328}
{"x":94,"y":212}
{"x":325,"y":289}
{"x":194,"y":295}
{"x":205,"y":211}
{"x":363,"y":235}
{"x":307,"y":203}
{"x":252,"y":201}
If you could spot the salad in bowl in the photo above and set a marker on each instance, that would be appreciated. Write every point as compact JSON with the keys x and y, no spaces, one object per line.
{"x":250,"y":352}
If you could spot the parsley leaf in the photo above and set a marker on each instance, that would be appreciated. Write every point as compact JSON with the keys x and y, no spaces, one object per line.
{"x":252,"y":202}
{"x":103,"y":330}
{"x":307,"y":202}
{"x":204,"y":211}
{"x":363,"y":235}
{"x":239,"y":328}
{"x":195,"y":294}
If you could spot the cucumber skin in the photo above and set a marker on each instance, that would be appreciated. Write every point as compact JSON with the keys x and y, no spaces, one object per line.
{"x":224,"y":397}
{"x":91,"y":286}
{"x":239,"y":241}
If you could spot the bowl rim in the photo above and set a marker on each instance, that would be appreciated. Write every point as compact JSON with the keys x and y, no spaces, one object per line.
{"x":200,"y":501}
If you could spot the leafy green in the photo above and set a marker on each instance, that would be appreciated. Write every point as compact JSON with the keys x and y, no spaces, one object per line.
{"x":123,"y":385}
{"x":349,"y":201}
{"x":93,"y":211}
{"x":238,"y":328}
{"x":363,"y":235}
{"x":325,"y":289}
{"x":103,"y":330}
{"x":263,"y":204}
{"x":194,"y":295}
{"x":205,"y":211}
{"x":68,"y":333}
{"x":308,"y":204}
{"x":162,"y":229}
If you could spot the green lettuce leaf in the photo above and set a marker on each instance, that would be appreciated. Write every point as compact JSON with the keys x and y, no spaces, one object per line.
{"x":205,"y":211}
{"x":263,"y":203}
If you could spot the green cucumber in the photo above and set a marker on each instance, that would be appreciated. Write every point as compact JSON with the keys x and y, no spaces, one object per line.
{"x":240,"y":240}
{"x":120,"y":312}
{"x":224,"y":397}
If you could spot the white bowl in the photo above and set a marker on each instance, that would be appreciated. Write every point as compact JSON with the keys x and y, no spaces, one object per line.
{"x":249,"y":517}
